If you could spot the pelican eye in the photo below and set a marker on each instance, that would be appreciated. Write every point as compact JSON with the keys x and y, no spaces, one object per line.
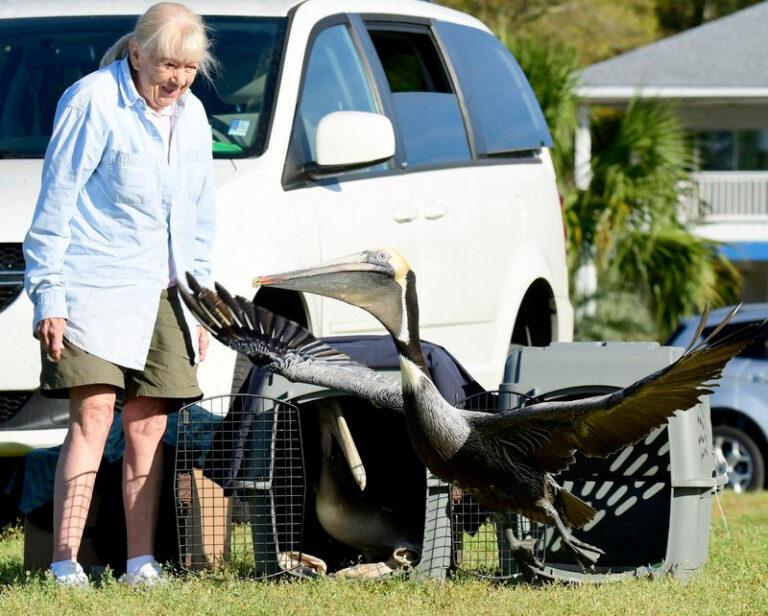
{"x":382,"y":256}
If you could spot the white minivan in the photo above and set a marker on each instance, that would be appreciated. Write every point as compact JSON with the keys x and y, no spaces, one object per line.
{"x":453,"y":171}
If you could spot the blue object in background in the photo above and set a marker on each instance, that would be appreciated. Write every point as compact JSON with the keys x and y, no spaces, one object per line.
{"x":40,"y":464}
{"x":745,"y":251}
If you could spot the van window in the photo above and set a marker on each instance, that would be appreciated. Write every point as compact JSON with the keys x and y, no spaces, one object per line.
{"x":502,"y":107}
{"x":334,"y":81}
{"x":426,"y":107}
{"x":42,"y":57}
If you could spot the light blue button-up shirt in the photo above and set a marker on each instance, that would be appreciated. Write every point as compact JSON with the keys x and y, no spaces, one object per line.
{"x":114,"y":206}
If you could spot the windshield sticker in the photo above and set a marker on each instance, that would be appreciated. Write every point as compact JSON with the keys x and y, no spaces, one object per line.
{"x":239,"y":128}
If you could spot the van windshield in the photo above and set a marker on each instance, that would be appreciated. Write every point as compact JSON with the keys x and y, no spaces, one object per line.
{"x":41,"y":57}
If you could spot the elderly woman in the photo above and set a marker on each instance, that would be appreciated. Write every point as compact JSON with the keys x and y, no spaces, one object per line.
{"x":126,"y":203}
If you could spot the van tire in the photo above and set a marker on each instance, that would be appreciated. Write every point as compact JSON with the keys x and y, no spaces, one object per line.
{"x":746,"y":465}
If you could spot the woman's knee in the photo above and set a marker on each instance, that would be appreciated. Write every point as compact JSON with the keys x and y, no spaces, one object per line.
{"x":145,"y":418}
{"x":92,"y":412}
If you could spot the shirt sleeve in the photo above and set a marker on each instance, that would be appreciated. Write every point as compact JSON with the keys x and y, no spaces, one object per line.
{"x":73,"y":153}
{"x":205,"y":224}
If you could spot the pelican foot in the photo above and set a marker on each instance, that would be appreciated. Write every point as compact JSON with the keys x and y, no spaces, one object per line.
{"x":402,"y":559}
{"x":365,"y":571}
{"x":584,"y":553}
{"x":302,"y":565}
{"x":522,"y":550}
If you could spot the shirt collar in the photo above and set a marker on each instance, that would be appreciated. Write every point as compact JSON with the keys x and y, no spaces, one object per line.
{"x":165,"y":112}
{"x":127,"y":88}
{"x":131,"y":95}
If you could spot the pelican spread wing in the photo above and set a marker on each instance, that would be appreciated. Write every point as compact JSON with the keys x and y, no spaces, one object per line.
{"x":549,"y":432}
{"x":285,"y":347}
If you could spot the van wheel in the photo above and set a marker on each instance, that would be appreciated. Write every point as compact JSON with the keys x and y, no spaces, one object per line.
{"x":746,"y":467}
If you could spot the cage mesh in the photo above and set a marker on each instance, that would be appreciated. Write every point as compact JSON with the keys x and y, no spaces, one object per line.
{"x":480,"y":536}
{"x":240,"y":486}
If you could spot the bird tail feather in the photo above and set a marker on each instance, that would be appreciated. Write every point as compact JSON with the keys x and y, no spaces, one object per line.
{"x":574,"y":511}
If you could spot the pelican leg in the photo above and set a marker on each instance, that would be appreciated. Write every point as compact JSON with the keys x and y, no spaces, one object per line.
{"x":584,"y":553}
{"x":522,"y":550}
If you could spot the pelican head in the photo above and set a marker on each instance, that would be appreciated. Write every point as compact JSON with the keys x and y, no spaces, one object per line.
{"x":374,"y":280}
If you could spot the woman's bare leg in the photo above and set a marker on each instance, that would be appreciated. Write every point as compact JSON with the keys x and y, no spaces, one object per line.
{"x":144,"y":422}
{"x":91,"y":410}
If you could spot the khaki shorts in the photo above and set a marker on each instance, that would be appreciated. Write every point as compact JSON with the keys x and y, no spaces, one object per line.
{"x":168,"y":373}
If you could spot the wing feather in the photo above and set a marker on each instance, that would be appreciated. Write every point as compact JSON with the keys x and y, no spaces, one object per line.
{"x":548,"y":433}
{"x":285,"y":347}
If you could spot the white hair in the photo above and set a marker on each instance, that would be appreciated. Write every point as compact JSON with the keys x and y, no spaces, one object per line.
{"x":167,"y":30}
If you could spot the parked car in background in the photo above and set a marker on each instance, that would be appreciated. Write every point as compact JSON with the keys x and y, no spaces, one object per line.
{"x":740,"y":404}
{"x":337,"y":125}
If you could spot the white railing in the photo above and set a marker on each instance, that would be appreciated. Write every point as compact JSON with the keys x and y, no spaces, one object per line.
{"x":728,"y":194}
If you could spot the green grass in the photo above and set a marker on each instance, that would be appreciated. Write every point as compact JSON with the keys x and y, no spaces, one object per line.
{"x":735,"y":581}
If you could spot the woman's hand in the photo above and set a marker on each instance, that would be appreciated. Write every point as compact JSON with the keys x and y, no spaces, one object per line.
{"x":202,"y":341}
{"x":51,"y":335}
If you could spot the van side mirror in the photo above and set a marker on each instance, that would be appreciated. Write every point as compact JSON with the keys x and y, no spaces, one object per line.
{"x":347,"y":140}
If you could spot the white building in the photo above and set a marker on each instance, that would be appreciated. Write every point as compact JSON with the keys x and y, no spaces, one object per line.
{"x":718,"y":72}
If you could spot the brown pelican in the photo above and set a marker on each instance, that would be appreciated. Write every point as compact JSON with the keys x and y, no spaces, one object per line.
{"x":379,"y":533}
{"x":286,"y":348}
{"x":506,"y":460}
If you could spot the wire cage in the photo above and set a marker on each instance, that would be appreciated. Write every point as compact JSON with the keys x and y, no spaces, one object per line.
{"x":240,"y":486}
{"x":480,"y":536}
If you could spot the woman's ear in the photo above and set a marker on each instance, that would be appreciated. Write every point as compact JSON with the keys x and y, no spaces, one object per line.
{"x":133,"y":55}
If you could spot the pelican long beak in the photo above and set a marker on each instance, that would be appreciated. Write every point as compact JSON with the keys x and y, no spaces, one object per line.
{"x":348,"y":447}
{"x":366,"y":280}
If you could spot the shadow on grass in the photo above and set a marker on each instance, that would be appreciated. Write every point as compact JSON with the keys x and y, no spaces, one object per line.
{"x":12,"y":574}
{"x":12,"y":571}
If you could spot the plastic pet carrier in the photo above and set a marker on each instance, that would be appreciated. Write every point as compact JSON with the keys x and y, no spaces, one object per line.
{"x":653,"y":498}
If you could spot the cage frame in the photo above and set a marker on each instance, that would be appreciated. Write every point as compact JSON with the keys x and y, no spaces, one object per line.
{"x":276,"y":404}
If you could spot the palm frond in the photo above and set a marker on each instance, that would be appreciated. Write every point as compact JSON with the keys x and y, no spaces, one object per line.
{"x":551,"y":70}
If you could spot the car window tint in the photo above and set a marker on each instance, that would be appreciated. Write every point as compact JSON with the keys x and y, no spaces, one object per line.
{"x":40,"y":57}
{"x":503,"y":110}
{"x":426,"y":107}
{"x":240,"y":97}
{"x":754,"y":350}
{"x":334,"y":81}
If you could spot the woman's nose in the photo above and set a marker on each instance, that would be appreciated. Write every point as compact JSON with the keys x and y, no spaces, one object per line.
{"x":179,"y":78}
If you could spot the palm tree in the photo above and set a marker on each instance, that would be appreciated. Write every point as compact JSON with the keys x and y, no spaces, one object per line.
{"x":551,"y":70}
{"x":629,"y":221}
{"x":651,"y":269}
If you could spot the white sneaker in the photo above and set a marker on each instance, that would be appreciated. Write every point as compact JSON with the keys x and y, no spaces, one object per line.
{"x":69,"y":574}
{"x":149,"y":574}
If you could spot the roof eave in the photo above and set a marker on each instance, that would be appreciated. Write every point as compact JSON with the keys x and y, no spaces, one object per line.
{"x":623,"y":94}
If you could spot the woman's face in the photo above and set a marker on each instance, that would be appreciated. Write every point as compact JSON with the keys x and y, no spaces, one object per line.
{"x":161,"y":81}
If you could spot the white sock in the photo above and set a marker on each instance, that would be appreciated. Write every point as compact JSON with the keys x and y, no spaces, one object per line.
{"x":63,"y":567}
{"x":134,"y":564}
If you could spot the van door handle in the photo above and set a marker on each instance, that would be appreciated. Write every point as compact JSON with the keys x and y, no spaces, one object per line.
{"x":433,"y":212}
{"x":404,"y":214}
